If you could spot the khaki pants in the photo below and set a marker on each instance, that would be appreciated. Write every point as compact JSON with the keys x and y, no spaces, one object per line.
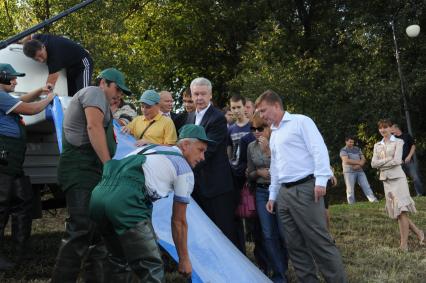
{"x":302,"y":224}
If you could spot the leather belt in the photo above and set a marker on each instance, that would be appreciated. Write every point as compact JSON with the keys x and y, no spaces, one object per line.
{"x":298,"y":182}
{"x":263,"y":185}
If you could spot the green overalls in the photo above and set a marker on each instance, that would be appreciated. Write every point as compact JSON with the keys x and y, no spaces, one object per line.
{"x":16,"y":195}
{"x":79,"y":166}
{"x":78,"y":173}
{"x":16,"y":148}
{"x":122,"y":210}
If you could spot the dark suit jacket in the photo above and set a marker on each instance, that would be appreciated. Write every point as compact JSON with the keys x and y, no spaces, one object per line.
{"x":180,"y":120}
{"x":213,"y":176}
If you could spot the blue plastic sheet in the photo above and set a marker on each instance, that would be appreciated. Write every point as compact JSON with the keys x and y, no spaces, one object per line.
{"x":58,"y":117}
{"x":214,"y":258}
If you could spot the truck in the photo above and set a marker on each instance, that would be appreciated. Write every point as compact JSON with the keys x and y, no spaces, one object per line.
{"x":42,"y":156}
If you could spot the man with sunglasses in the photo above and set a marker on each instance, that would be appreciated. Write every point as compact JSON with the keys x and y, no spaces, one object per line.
{"x":300,"y":169}
{"x":88,"y":143}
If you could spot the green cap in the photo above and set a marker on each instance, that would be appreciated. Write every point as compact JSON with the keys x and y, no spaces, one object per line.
{"x":114,"y":75}
{"x":191,"y":131}
{"x":150,"y":97}
{"x":9,"y":70}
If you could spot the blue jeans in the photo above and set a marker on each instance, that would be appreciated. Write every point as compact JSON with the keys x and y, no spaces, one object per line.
{"x":275,"y":248}
{"x":361,"y":179}
{"x":410,"y":170}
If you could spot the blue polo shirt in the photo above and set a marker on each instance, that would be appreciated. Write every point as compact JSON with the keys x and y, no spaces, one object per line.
{"x":9,"y":121}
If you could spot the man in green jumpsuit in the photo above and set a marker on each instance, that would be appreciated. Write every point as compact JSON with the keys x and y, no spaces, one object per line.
{"x":16,"y":193}
{"x":121,"y":205}
{"x":88,"y":143}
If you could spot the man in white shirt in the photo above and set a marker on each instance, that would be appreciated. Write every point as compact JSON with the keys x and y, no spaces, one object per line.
{"x":300,"y":168}
{"x":121,"y":205}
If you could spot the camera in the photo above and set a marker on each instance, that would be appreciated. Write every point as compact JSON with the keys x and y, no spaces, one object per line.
{"x":3,"y":157}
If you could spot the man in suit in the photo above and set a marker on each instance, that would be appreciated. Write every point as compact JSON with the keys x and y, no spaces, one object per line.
{"x":188,"y":107}
{"x":166,"y":104}
{"x":213,"y":189}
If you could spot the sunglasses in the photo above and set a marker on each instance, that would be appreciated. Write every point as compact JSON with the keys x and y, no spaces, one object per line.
{"x":259,"y":129}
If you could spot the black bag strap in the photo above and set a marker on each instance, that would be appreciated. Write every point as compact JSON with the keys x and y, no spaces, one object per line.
{"x":147,"y":127}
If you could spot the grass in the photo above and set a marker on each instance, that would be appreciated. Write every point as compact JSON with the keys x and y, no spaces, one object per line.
{"x":366,"y":237}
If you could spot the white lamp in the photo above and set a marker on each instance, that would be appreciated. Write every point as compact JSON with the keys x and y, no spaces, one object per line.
{"x":413,"y":30}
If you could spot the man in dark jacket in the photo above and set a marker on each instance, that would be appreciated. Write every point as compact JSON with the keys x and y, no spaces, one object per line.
{"x":213,"y":189}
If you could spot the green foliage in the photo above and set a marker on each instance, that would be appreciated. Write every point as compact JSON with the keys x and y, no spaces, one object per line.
{"x":331,"y":60}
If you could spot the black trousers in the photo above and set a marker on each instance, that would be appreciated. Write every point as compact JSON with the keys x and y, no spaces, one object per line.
{"x":221,"y":210}
{"x":81,"y":77}
{"x":82,"y":240}
{"x":16,"y":196}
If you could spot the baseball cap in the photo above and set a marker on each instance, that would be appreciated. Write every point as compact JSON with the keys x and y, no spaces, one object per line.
{"x":9,"y":70}
{"x":150,"y":97}
{"x":114,"y":75}
{"x":191,"y":131}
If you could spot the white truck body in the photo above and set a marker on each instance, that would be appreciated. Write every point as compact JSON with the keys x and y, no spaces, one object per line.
{"x":42,"y":155}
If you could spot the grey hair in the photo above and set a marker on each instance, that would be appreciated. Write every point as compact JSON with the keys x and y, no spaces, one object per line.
{"x":200,"y":82}
{"x":191,"y":140}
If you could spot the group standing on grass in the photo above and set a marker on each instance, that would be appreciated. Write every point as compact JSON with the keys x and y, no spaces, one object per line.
{"x":197,"y":153}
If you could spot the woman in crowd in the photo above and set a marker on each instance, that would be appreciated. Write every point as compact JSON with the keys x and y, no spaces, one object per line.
{"x":258,"y":162}
{"x":387,"y":157}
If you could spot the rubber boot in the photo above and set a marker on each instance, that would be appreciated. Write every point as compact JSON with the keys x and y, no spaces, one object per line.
{"x":117,"y":270}
{"x":5,"y":264}
{"x":142,"y":252}
{"x":22,"y":217}
{"x":94,"y":263}
{"x":65,"y":271}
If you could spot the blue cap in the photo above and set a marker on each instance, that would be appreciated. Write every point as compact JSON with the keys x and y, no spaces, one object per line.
{"x":150,"y":97}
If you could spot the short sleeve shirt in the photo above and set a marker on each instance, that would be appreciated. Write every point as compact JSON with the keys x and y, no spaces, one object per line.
{"x":61,"y":52}
{"x":353,"y":153}
{"x":8,"y":120}
{"x":175,"y":175}
{"x":235,"y":133}
{"x":75,"y":123}
{"x":162,"y":131}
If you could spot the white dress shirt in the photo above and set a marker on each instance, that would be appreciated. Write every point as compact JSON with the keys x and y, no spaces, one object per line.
{"x":297,"y":150}
{"x":199,"y":115}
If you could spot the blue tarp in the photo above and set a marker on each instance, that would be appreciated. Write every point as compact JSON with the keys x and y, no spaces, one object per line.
{"x":214,"y":258}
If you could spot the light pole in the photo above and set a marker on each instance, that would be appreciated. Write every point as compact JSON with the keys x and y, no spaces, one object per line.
{"x":412,"y":31}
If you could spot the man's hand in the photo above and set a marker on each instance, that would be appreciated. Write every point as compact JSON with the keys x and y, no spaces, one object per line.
{"x":141,"y":142}
{"x":264,"y":173}
{"x":333,"y":181}
{"x":47,"y":88}
{"x":185,"y":267}
{"x":125,"y":130}
{"x":319,"y":191}
{"x":407,"y":159}
{"x":356,"y":167}
{"x":270,"y":206}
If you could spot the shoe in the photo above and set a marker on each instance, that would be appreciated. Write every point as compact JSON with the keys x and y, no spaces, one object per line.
{"x":404,"y":249}
{"x":6,"y":264}
{"x":422,"y":238}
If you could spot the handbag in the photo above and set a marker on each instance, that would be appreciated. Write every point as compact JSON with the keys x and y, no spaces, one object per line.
{"x":247,"y":206}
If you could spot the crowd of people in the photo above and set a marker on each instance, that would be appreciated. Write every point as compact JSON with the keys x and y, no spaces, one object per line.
{"x":203,"y":152}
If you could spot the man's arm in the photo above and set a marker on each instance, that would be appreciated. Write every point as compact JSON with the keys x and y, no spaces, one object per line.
{"x":52,"y":78}
{"x":180,"y":236}
{"x":30,"y":96}
{"x":410,"y":154}
{"x":96,"y":132}
{"x":32,"y":108}
{"x":347,"y":161}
